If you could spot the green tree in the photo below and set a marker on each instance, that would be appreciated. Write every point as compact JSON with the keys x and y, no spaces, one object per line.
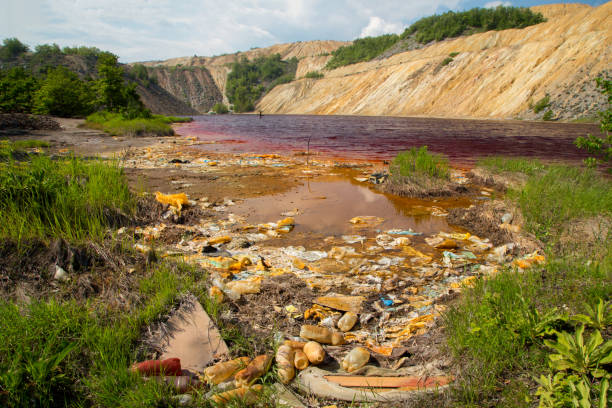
{"x":220,"y":108}
{"x":17,"y":87}
{"x":63,"y":94}
{"x":600,"y":146}
{"x":12,"y":48}
{"x":109,"y":85}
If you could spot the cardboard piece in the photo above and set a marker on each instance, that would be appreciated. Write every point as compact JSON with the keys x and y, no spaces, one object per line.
{"x":193,"y":337}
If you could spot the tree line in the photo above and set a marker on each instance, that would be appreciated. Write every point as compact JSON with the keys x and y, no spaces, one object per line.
{"x":53,"y":89}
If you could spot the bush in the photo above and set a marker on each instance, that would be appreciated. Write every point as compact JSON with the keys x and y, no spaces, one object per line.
{"x":452,"y":24}
{"x":600,"y":146}
{"x":12,"y":48}
{"x":62,"y":93}
{"x":314,"y":75}
{"x":446,"y":61}
{"x":541,"y":104}
{"x":220,"y":108}
{"x":420,"y":162}
{"x":548,"y":115}
{"x":17,"y":87}
{"x":362,"y":49}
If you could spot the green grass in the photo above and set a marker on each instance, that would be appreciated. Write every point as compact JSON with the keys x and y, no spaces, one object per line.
{"x":65,"y":353}
{"x":420,"y":162}
{"x":523,"y":165}
{"x":68,"y":198}
{"x":116,"y":125}
{"x":30,"y":144}
{"x":497,"y":328}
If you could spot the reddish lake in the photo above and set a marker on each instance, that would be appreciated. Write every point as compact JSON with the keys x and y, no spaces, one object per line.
{"x":380,"y":138}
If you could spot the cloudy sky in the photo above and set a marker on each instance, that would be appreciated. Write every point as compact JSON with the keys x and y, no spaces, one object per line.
{"x":139,"y":30}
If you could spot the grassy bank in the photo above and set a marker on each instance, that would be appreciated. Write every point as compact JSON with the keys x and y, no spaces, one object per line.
{"x":503,"y":329}
{"x":117,"y":125}
{"x":70,"y":343}
{"x":65,"y":198}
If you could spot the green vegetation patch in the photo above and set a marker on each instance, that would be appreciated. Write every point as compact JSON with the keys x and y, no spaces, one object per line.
{"x":314,"y":75}
{"x":65,"y":353}
{"x":505,"y":328}
{"x":220,"y":108}
{"x":420,"y":162}
{"x":66,"y":198}
{"x":454,"y":24}
{"x":117,"y":124}
{"x":249,"y":80}
{"x":362,"y":49}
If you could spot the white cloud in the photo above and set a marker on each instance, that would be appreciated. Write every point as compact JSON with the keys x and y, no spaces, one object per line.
{"x":378,"y":26}
{"x":493,"y":4}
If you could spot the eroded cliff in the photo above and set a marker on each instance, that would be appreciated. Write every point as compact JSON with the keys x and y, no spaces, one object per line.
{"x":497,"y":74}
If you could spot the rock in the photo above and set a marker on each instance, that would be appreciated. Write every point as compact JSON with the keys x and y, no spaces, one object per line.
{"x":506,"y":218}
{"x":60,"y":274}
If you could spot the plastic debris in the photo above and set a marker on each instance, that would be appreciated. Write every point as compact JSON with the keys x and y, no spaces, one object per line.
{"x":170,"y":366}
{"x":342,"y":302}
{"x":256,"y":368}
{"x":314,"y":352}
{"x":284,"y":364}
{"x":220,"y":372}
{"x":529,"y":260}
{"x":316,"y":333}
{"x":300,"y":359}
{"x":347,"y":321}
{"x":403,"y":232}
{"x":355,"y":359}
{"x":353,"y":239}
{"x":60,"y":274}
{"x":173,"y":200}
{"x":246,"y":394}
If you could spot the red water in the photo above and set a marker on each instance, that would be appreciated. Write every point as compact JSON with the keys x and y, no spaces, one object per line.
{"x":380,"y":138}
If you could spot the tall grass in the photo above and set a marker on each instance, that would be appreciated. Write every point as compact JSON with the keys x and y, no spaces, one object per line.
{"x":420,"y":162}
{"x":116,"y":124}
{"x":71,"y":354}
{"x":497,"y":328}
{"x":69,"y":198}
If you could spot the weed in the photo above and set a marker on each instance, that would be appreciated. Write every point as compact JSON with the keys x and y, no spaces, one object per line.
{"x":67,"y":198}
{"x":116,"y":124}
{"x":314,"y":75}
{"x":446,"y":61}
{"x":498,"y":164}
{"x":541,"y":104}
{"x":420,"y":162}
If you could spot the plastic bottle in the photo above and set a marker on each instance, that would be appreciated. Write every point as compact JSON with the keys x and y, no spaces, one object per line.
{"x":347,"y":321}
{"x":295,"y":344}
{"x":247,"y":394}
{"x":316,"y":333}
{"x":215,"y":293}
{"x":284,"y":364}
{"x":314,"y":352}
{"x":355,"y":359}
{"x":253,"y":371}
{"x":242,"y":287}
{"x":337,"y":339}
{"x":170,"y":366}
{"x":300,"y":359}
{"x":220,"y":372}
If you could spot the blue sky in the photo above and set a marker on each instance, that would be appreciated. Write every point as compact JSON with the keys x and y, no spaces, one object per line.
{"x":139,"y":30}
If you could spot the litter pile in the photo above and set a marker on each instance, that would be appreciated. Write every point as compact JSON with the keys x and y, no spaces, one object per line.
{"x":343,"y":310}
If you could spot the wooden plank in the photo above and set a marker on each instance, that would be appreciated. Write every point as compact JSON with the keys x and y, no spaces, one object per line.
{"x":404,"y":383}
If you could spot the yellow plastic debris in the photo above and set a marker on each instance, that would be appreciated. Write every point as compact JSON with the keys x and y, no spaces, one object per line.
{"x":414,"y":326}
{"x":298,"y":263}
{"x":318,"y":312}
{"x":287,"y":222}
{"x":174,"y":200}
{"x":469,"y":282}
{"x":366,"y":221}
{"x":341,"y":302}
{"x":529,"y":260}
{"x":219,"y":240}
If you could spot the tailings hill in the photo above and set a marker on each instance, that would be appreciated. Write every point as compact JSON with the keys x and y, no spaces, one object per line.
{"x":497,"y":74}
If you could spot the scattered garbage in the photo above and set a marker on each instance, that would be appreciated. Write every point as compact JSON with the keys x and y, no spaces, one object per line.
{"x":355,"y":359}
{"x":176,"y":201}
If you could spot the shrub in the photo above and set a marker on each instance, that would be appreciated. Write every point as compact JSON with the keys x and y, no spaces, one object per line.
{"x":548,"y":115}
{"x":446,"y":61}
{"x":600,"y":146}
{"x":12,"y":48}
{"x":453,"y":54}
{"x":62,"y":93}
{"x":362,"y":49}
{"x":17,"y":87}
{"x":220,"y":108}
{"x":541,"y":104}
{"x":420,"y":162}
{"x":314,"y":75}
{"x":454,"y":24}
